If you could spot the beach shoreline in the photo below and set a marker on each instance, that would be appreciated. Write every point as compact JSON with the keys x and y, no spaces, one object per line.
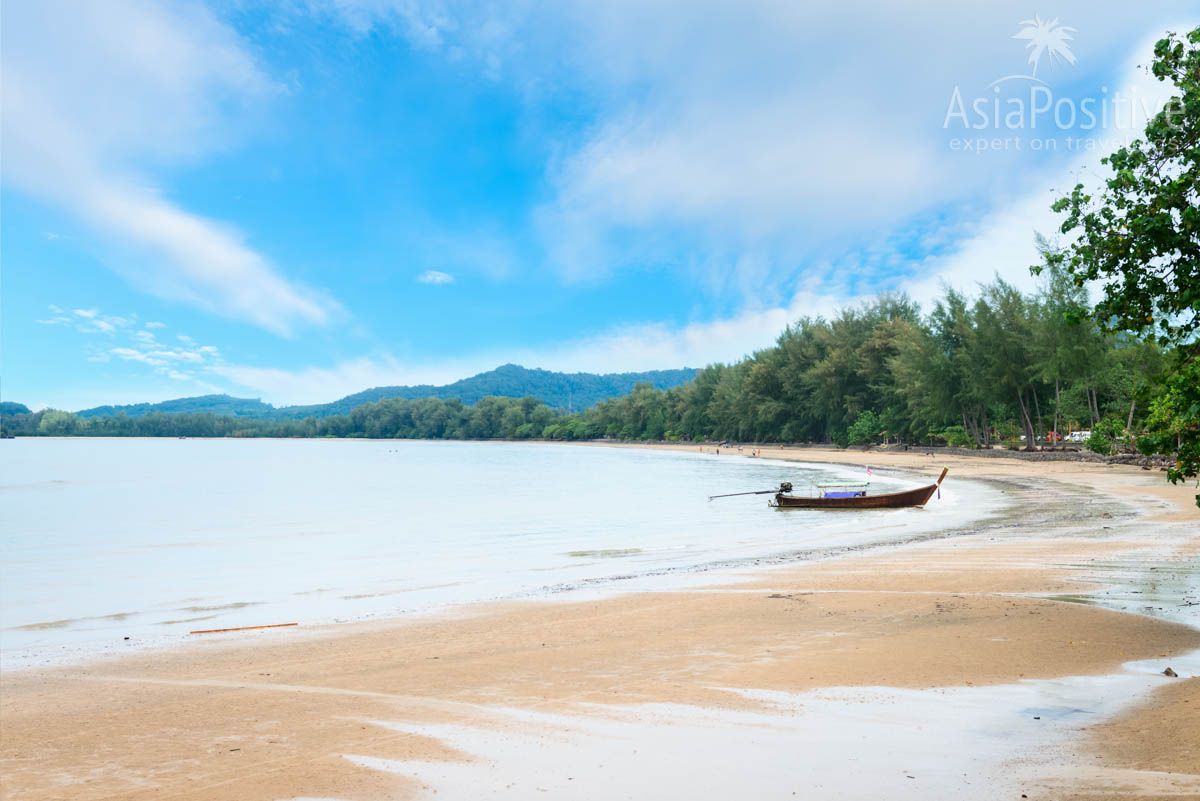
{"x":275,"y":714}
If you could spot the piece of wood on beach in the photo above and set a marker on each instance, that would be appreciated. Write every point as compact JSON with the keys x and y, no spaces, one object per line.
{"x":244,"y":628}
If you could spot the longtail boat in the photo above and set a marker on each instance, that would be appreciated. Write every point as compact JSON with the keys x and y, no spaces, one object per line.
{"x":846,"y":496}
{"x":855,"y":496}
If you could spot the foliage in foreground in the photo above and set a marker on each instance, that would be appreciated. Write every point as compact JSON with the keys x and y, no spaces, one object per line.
{"x":1140,"y":235}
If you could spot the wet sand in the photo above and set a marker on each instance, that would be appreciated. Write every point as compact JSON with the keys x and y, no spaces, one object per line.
{"x":1150,"y":752}
{"x":481,"y":698}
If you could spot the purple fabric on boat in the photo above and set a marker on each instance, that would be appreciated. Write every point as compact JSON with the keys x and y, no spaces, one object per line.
{"x":844,"y":494}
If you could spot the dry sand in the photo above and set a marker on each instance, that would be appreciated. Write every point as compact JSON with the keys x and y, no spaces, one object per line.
{"x":272,"y":715}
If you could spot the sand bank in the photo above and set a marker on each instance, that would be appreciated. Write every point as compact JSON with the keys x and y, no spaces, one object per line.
{"x":945,"y":633}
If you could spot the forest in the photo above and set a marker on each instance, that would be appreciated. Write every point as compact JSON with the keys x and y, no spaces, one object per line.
{"x":1002,"y":367}
{"x":393,"y":418}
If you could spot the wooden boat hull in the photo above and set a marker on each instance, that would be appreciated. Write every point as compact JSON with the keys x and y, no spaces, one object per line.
{"x":890,"y":500}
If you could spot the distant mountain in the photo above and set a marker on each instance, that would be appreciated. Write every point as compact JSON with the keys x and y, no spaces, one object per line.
{"x":8,"y":407}
{"x":567,"y":391}
{"x":212,"y":404}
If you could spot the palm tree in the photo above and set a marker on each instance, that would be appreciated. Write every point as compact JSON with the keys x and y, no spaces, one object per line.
{"x":1046,"y":37}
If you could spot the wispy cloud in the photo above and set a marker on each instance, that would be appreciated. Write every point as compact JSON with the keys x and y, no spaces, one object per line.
{"x":318,"y":384}
{"x":435,"y":277}
{"x":119,"y":337}
{"x":183,"y":362}
{"x":87,"y":321}
{"x":90,"y":108}
{"x":625,"y":348}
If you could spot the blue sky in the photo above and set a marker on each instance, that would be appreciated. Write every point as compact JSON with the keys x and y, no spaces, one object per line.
{"x":300,"y":200}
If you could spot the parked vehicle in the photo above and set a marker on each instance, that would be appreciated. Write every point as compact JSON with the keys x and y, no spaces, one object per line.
{"x":1078,"y":436}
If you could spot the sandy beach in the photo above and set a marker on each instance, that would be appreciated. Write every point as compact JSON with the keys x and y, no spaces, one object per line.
{"x":852,"y":654}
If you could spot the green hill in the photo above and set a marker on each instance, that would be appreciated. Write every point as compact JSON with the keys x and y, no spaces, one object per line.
{"x":566,"y":391}
{"x":224,"y":405}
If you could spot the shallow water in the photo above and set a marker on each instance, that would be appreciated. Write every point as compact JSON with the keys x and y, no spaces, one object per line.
{"x":979,"y":743}
{"x":1144,"y":583}
{"x":107,"y":539}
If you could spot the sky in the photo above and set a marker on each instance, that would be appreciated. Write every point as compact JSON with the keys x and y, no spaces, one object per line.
{"x":299,"y":200}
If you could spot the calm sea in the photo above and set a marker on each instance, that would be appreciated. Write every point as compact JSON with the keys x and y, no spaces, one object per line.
{"x":108,"y":539}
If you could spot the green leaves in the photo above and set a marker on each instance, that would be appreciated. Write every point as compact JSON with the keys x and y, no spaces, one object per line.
{"x":1174,"y":421}
{"x":866,"y":429}
{"x":1141,"y":237}
{"x":1141,"y":233}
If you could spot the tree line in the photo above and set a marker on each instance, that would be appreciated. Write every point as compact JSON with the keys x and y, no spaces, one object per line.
{"x":1003,"y":367}
{"x":393,"y":418}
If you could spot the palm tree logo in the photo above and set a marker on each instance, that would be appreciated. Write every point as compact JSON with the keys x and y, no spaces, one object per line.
{"x":1046,"y":38}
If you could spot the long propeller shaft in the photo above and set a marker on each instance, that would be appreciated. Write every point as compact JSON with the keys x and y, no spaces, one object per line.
{"x":786,"y":486}
{"x":734,"y":494}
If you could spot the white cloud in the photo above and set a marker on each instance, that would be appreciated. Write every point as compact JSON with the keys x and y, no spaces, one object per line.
{"x":123,"y":341}
{"x":98,"y":94}
{"x":87,"y":321}
{"x":754,"y":131}
{"x":1002,"y":241}
{"x":752,"y":143}
{"x":60,"y":320}
{"x":435,"y":277}
{"x":657,"y":346}
{"x":321,"y":384}
{"x":623,"y":349}
{"x":185,"y":362}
